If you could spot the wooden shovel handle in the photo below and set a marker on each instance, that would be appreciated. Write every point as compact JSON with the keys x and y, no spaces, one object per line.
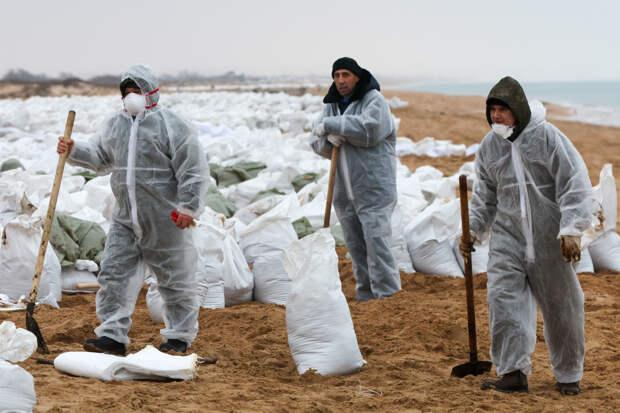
{"x":469,"y":284}
{"x":49,"y":218}
{"x":330,"y":187}
{"x":86,"y":286}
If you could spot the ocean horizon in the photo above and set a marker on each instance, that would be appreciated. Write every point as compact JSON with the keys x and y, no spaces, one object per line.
{"x":596,"y":102}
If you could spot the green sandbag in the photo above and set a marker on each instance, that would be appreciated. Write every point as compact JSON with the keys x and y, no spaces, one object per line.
{"x":87,"y":174}
{"x":234,"y":174}
{"x":302,"y":227}
{"x":216,"y":201}
{"x":265,"y":194}
{"x":11,"y":164}
{"x":303,"y":179}
{"x":76,"y":239}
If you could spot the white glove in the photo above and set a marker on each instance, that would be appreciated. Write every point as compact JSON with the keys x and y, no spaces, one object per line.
{"x":319,"y":130}
{"x":336,"y":140}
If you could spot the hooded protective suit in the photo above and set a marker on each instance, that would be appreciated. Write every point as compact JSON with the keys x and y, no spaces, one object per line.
{"x":531,"y":190}
{"x":365,"y":184}
{"x":157,"y":165}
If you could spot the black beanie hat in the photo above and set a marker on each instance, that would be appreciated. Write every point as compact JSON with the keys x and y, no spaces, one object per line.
{"x":348,"y":64}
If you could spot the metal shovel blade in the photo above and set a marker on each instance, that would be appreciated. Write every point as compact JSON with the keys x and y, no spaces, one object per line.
{"x":33,"y":327}
{"x":475,"y":368}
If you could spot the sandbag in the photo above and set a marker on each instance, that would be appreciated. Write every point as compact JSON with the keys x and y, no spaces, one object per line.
{"x":479,"y":258}
{"x":16,"y":344}
{"x":16,"y":389}
{"x":71,"y":277}
{"x":216,"y":201}
{"x":605,"y":252}
{"x":254,"y":210}
{"x":430,"y":236}
{"x":585,"y":263}
{"x":74,"y":239}
{"x":271,"y":233}
{"x":399,"y":244}
{"x":238,"y":279}
{"x":209,"y":240}
{"x":19,"y":248}
{"x":271,"y":281}
{"x":147,"y":364}
{"x":318,"y":322}
{"x":154,"y":301}
{"x":434,"y":257}
{"x":234,"y":174}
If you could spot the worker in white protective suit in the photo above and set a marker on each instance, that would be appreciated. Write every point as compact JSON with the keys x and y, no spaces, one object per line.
{"x":534,"y":194}
{"x":157,"y":166}
{"x":357,"y":119}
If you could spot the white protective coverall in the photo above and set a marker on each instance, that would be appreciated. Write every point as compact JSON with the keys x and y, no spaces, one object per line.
{"x":365,"y":185}
{"x":157,"y":165}
{"x":529,"y":192}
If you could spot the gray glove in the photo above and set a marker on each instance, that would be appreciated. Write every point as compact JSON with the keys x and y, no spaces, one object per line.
{"x":336,"y":140}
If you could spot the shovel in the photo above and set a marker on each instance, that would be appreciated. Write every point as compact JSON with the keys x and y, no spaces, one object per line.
{"x":330,"y":187}
{"x":474,"y":366}
{"x":31,"y":323}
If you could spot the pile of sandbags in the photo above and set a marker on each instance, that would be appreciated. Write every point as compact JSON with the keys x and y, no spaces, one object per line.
{"x":318,"y":322}
{"x":605,"y":250}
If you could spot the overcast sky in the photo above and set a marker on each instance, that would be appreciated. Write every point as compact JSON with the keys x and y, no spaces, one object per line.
{"x":478,"y":40}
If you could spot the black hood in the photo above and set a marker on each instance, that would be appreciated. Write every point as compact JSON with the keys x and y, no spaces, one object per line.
{"x":366,"y":83}
{"x":510,"y":92}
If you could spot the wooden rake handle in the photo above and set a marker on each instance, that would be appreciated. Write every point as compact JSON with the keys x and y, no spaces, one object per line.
{"x":330,"y":187}
{"x":49,"y":218}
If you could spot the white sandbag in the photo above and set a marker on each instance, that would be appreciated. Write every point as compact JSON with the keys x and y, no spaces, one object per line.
{"x":479,"y":258}
{"x":250,"y":212}
{"x":605,"y":252}
{"x":16,"y":389}
{"x":241,"y":194}
{"x":606,"y":196}
{"x":19,"y":249}
{"x":314,"y":211}
{"x":271,"y":233}
{"x":16,"y":344}
{"x":147,"y":364}
{"x":398,"y":243}
{"x":585,"y":263}
{"x":238,"y":279}
{"x":430,"y":236}
{"x":271,"y":281}
{"x":209,"y":242}
{"x":320,"y":330}
{"x":71,"y":277}
{"x":434,"y":257}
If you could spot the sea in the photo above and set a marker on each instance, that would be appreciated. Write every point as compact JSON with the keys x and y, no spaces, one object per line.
{"x":595,"y":102}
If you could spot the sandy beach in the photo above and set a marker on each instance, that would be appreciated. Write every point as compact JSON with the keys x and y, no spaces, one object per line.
{"x":410,"y":341}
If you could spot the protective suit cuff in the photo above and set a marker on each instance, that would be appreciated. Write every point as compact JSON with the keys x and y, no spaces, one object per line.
{"x":332,"y":124}
{"x":193,"y":214}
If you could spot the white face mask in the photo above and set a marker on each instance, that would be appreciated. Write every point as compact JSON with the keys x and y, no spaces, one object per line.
{"x":502,"y":130}
{"x":134,"y":103}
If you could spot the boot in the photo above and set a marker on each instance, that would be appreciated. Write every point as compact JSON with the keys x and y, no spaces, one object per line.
{"x":104,"y":345}
{"x":173,"y":345}
{"x":571,"y":389}
{"x":514,"y":381}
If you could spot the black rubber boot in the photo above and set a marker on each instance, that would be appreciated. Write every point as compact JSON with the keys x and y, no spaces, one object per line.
{"x":509,"y":383}
{"x":173,"y":345}
{"x":569,"y":389}
{"x":104,"y":345}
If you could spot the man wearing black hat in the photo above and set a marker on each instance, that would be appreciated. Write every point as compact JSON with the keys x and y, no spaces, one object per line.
{"x":534,"y":195}
{"x":356,"y":118}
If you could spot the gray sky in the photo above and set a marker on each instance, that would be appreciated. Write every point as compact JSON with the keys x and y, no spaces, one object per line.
{"x":478,"y":40}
